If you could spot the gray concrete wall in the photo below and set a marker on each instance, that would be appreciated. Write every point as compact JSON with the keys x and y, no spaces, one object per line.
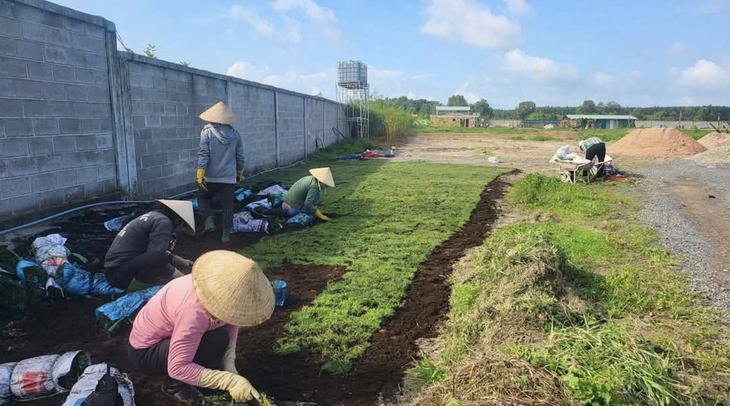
{"x":81,"y":121}
{"x":56,"y":138}
{"x":665,"y":123}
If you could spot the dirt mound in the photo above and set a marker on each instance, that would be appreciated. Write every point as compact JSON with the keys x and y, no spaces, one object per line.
{"x":715,"y":155}
{"x":656,"y":142}
{"x":714,"y":140}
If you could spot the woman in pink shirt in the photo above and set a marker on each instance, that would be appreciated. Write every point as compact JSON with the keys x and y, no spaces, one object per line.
{"x":188,"y":330}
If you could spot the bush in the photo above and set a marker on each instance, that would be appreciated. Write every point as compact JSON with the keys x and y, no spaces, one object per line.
{"x":390,"y":122}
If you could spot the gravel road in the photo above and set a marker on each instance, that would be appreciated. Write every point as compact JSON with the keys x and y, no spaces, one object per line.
{"x":697,"y":241}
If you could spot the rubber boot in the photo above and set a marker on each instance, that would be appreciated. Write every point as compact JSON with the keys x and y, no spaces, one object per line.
{"x":180,"y":391}
{"x":226,"y":235}
{"x":209,"y":225}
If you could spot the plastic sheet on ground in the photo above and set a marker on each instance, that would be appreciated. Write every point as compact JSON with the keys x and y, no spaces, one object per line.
{"x":116,"y":223}
{"x":87,"y":385}
{"x":50,"y":252}
{"x":242,"y":194}
{"x":80,"y":282}
{"x":303,"y":219}
{"x":108,"y":315}
{"x":42,"y":376}
{"x":273,"y":190}
{"x":243,"y":222}
{"x":263,"y":203}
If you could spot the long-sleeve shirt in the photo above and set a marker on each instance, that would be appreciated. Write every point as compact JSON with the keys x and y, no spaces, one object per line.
{"x":149,"y":232}
{"x":175,"y":313}
{"x":302,"y":194}
{"x":220,"y":153}
{"x":590,"y":142}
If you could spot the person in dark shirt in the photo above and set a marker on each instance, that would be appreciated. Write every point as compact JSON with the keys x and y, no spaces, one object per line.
{"x":141,"y":254}
{"x":594,"y":148}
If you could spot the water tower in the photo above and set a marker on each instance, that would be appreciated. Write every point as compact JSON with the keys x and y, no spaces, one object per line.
{"x":353,"y":91}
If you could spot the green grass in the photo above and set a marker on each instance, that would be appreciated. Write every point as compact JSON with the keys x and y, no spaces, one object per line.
{"x":585,"y":297}
{"x":697,"y":134}
{"x":388,"y":217}
{"x":536,"y":138}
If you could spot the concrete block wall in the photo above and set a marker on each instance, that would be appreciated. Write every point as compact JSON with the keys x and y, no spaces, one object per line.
{"x":256,"y":112}
{"x":81,"y":121}
{"x":56,"y":138}
{"x":291,"y":128}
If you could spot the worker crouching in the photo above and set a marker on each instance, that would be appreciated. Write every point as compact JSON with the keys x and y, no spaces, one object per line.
{"x":141,"y":254}
{"x":188,"y":330}
{"x":305,"y":193}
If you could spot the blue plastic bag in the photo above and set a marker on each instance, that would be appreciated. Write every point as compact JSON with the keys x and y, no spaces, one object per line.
{"x":115,"y":224}
{"x":303,"y":219}
{"x":279,"y":292}
{"x":80,"y":282}
{"x":242,"y":194}
{"x":109,"y":314}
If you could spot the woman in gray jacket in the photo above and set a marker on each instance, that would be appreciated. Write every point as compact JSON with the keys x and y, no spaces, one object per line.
{"x":220,"y":165}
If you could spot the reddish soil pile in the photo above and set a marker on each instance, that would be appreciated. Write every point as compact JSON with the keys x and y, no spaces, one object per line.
{"x":68,"y":325}
{"x":714,"y":140}
{"x":655,"y":142}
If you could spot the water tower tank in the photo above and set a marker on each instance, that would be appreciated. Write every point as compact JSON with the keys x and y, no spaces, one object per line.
{"x":352,"y":73}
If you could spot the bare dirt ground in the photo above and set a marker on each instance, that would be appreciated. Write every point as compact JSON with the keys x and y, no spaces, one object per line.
{"x":687,"y":203}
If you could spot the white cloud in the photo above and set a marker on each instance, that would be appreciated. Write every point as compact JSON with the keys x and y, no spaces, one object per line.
{"x":602,"y":79}
{"x":705,"y":74}
{"x":245,"y":70}
{"x":469,"y":22}
{"x":309,"y":82}
{"x":421,"y":76}
{"x":323,"y":17}
{"x":311,"y":9}
{"x":252,"y":18}
{"x":375,"y":73}
{"x":470,"y":97}
{"x":678,"y":49}
{"x":517,"y":7}
{"x":537,"y":69}
{"x":293,"y":30}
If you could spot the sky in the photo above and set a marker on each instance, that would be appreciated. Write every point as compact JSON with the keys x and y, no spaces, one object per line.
{"x":557,"y":52}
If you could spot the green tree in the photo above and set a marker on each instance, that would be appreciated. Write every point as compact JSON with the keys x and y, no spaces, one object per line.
{"x":613,"y":108}
{"x":425,"y":111}
{"x":539,"y":115}
{"x":525,"y":108}
{"x":588,"y":107}
{"x":151,"y":50}
{"x":457,"y":100}
{"x":183,"y":63}
{"x":636,"y":112}
{"x":702,"y":114}
{"x":482,"y":108}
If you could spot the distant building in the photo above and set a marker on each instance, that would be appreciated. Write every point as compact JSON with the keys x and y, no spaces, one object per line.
{"x":605,"y":121}
{"x":454,"y":116}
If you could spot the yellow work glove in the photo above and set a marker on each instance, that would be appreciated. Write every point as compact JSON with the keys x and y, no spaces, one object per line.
{"x":321,"y":216}
{"x":237,"y":386}
{"x":200,"y":174}
{"x":239,"y":176}
{"x":229,"y":359}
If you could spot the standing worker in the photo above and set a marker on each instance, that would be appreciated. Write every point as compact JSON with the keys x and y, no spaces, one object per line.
{"x":305,"y":193}
{"x":141,"y":253}
{"x":188,"y":330}
{"x":220,"y":165}
{"x":594,"y":147}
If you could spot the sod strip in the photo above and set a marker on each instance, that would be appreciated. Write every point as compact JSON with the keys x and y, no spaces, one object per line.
{"x":388,"y":218}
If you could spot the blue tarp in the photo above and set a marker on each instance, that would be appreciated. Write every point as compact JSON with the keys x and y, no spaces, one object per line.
{"x":123,"y":307}
{"x":302,"y":218}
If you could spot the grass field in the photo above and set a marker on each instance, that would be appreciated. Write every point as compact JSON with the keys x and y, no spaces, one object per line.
{"x":388,"y":217}
{"x":577,"y":306}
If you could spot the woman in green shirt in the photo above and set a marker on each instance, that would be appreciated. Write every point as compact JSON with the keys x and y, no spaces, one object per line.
{"x":305,"y":193}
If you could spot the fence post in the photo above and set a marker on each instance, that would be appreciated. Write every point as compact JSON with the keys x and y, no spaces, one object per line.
{"x":305,"y":125}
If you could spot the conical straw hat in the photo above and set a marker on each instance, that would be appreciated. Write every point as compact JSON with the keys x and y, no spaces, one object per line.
{"x":232,"y":288}
{"x":220,"y":113}
{"x":183,"y":208}
{"x":323,"y":175}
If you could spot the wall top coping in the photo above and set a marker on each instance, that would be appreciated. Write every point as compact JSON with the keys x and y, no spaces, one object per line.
{"x":130,"y":56}
{"x":69,"y":12}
